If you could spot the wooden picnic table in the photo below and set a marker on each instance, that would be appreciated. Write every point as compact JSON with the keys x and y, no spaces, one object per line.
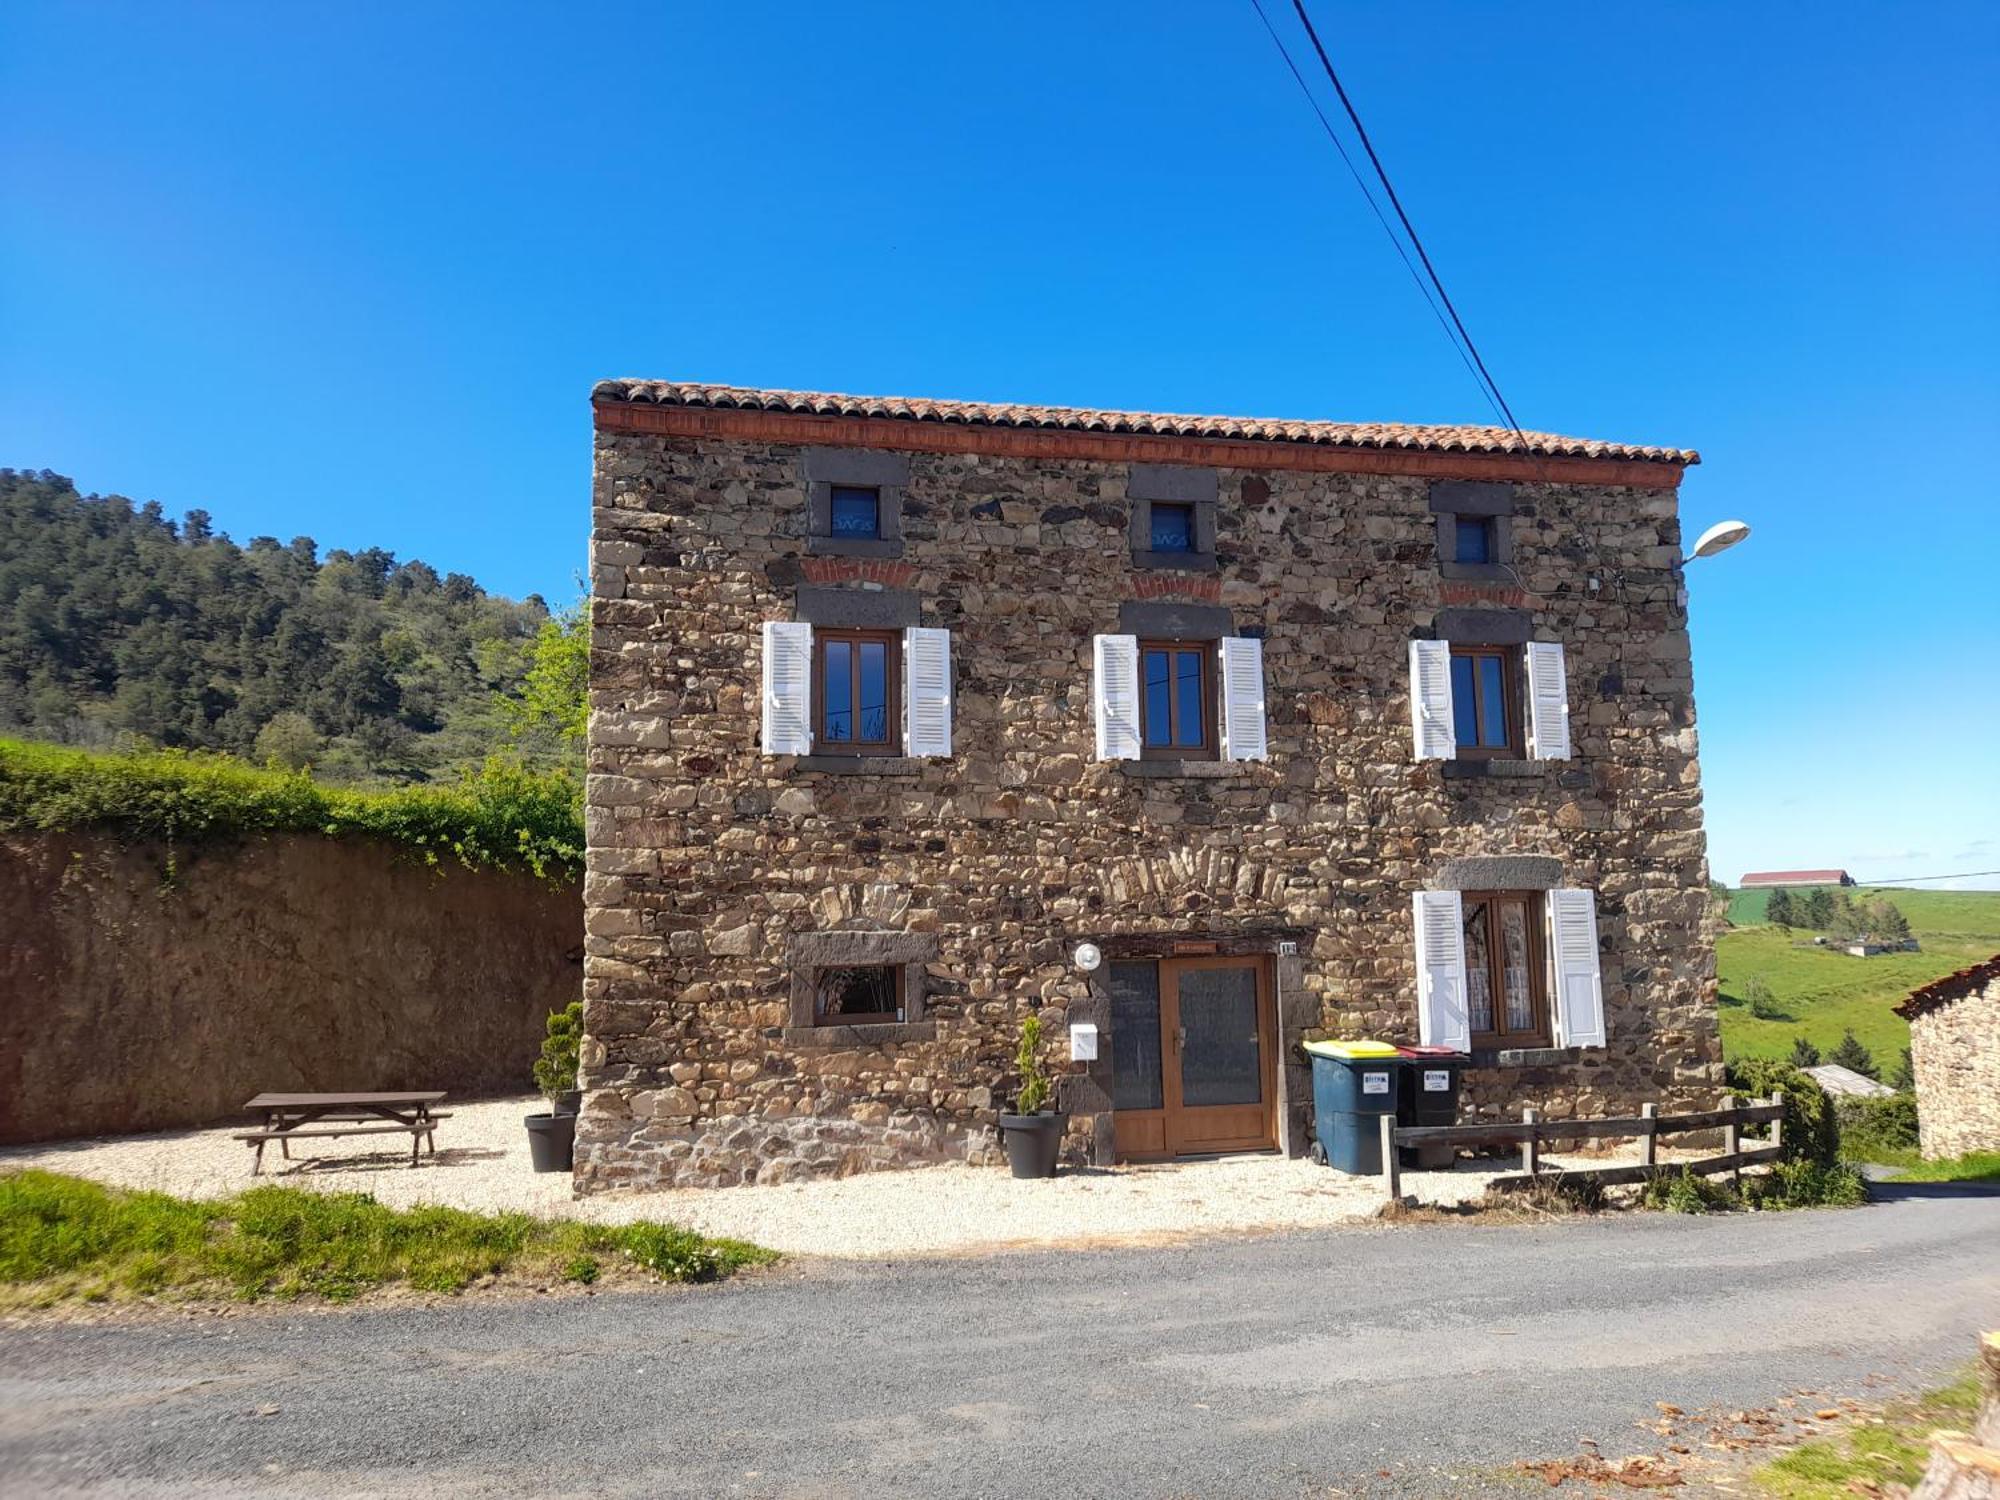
{"x":290,"y":1117}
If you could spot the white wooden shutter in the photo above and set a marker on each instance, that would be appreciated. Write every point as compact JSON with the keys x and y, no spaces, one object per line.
{"x":1115,"y":693}
{"x":1548,"y":702}
{"x":1442,"y":1019}
{"x":788,"y":656}
{"x":926,"y":691}
{"x":1573,"y":955}
{"x":1430,"y":700}
{"x":1242,"y":698}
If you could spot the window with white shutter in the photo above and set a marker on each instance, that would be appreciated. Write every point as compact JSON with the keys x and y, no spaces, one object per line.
{"x":926,"y":691}
{"x":1242,"y":698}
{"x":788,"y":670}
{"x":1441,"y":1011}
{"x":1548,"y":702}
{"x":1573,"y":959}
{"x":1115,"y":696}
{"x":1430,"y":700}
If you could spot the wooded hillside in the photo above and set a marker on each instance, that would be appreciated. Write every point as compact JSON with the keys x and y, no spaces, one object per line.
{"x":117,"y":621}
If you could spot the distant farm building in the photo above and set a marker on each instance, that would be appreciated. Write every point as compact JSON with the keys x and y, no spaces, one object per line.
{"x":1796,"y":877}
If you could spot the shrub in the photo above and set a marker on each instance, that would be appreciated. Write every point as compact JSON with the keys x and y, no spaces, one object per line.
{"x":1804,"y":1053}
{"x":504,"y":815}
{"x":1685,"y":1193}
{"x":1811,"y":1132}
{"x":1806,"y":1184}
{"x":555,"y":1069}
{"x":1028,"y":1061}
{"x":1763,"y":1004}
{"x":1877,"y":1129}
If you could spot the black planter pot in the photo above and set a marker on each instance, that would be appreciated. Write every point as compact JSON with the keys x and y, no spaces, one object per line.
{"x":552,"y":1142}
{"x":568,"y":1102}
{"x":1033,"y":1142}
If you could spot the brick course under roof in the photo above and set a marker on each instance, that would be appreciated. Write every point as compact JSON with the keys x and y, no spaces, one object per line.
{"x":1383,"y":435}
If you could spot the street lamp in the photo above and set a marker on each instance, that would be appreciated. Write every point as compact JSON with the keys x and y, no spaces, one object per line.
{"x":1718,"y":538}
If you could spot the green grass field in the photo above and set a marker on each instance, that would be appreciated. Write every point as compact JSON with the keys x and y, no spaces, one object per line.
{"x":1825,"y":993}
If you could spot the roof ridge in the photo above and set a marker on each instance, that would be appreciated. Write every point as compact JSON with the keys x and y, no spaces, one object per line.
{"x":1432,"y":437}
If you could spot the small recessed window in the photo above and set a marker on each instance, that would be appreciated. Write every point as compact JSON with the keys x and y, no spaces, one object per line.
{"x":1484,"y":690}
{"x":860,"y":995}
{"x":1474,"y":540}
{"x":1172,"y":527}
{"x":1176,"y":705}
{"x":856,"y":512}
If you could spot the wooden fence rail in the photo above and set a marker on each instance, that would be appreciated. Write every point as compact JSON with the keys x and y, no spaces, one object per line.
{"x":1648,"y":1126}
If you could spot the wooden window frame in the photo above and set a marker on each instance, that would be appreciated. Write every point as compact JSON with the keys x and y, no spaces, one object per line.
{"x":1512,"y":700}
{"x":889,"y":1017}
{"x":1534,"y":920}
{"x":1210,"y":747}
{"x":892,"y":641}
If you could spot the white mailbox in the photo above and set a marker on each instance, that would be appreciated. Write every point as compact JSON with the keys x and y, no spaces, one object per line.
{"x":1083,"y":1041}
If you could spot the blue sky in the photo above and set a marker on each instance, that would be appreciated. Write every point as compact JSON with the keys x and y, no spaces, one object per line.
{"x":350,"y":271}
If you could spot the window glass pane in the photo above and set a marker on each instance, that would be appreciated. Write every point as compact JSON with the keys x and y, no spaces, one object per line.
{"x":1478,"y":967}
{"x":1173,"y":528}
{"x":1159,"y":703}
{"x":1187,"y":693}
{"x":1220,"y":1061}
{"x":856,"y":512}
{"x":1464,"y":711}
{"x":873,"y":710}
{"x":837,"y":690}
{"x":1135,"y":1036}
{"x":1492,"y":702}
{"x":1475,"y":541}
{"x":1514,"y":966}
{"x":866,"y":992}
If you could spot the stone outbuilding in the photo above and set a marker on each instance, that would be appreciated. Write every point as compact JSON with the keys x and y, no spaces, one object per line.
{"x":1202,"y":737}
{"x":1955,"y":1059}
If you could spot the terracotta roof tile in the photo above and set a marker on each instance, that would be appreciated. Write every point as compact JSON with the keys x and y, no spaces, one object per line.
{"x":1951,"y":987}
{"x":1444,"y":439}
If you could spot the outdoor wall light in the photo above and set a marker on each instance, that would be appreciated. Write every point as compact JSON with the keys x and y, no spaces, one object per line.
{"x":1087,"y":957}
{"x":1718,"y":538}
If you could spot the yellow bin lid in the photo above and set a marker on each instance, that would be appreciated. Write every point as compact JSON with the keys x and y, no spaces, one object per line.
{"x":1352,"y":1050}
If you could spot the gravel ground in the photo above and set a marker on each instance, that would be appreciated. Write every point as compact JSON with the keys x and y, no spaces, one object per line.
{"x":482,"y":1163}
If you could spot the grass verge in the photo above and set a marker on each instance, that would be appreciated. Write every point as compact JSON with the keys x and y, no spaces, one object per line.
{"x":1975,"y":1166}
{"x":66,"y":1240}
{"x":1865,"y":1460}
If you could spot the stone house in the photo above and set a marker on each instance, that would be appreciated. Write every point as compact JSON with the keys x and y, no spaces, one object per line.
{"x":1202,"y":736}
{"x":1955,"y":1059}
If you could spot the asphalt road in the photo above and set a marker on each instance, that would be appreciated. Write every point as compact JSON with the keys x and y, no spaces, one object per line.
{"x":1293,"y":1365}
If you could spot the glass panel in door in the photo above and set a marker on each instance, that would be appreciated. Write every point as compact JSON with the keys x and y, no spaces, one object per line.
{"x":1135,"y":1036}
{"x":1221,"y":1062}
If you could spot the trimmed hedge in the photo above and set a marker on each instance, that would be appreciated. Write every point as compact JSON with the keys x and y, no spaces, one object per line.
{"x":503,"y":817}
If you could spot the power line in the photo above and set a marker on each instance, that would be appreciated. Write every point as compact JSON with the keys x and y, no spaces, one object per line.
{"x":1408,"y":228}
{"x":1380,"y":218}
{"x":1926,"y":879}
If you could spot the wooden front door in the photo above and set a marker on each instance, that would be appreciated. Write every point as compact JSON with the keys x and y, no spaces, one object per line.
{"x":1193,"y":1055}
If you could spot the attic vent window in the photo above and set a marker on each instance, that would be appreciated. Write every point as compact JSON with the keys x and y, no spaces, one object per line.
{"x":1172,"y":528}
{"x":856,"y":512}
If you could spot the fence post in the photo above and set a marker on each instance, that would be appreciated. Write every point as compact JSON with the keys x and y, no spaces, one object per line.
{"x":1392,"y":1170}
{"x":1534,"y":1141}
{"x":1778,"y":1124}
{"x":1732,"y":1138}
{"x":1650,"y":1149}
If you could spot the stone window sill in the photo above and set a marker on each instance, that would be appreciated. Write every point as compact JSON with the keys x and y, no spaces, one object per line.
{"x":831,"y":1038}
{"x":1473,"y":770}
{"x":1462,"y":572}
{"x":1190,"y":770}
{"x":1176,"y":562}
{"x":847,"y":546}
{"x":1525,"y":1057}
{"x":861,"y":765}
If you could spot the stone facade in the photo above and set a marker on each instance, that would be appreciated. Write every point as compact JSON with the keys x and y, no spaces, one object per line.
{"x":1955,"y":1057}
{"x":709,"y":860}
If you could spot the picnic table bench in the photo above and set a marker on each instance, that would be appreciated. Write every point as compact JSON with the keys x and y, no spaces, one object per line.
{"x":291,"y":1117}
